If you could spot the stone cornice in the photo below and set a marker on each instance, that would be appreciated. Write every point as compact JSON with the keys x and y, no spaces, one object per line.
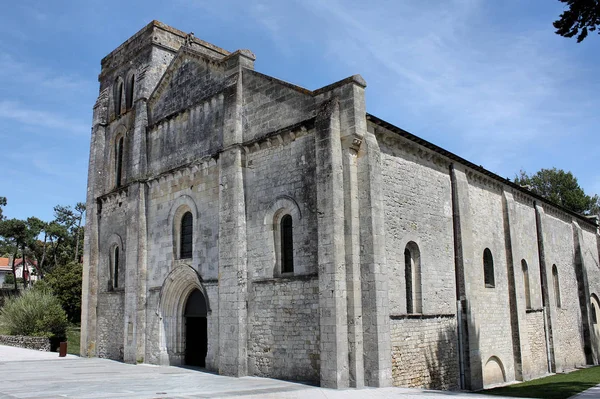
{"x":400,"y":144}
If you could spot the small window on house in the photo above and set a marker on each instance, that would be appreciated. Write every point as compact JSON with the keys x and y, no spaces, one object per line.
{"x":556,"y":285}
{"x":129,"y":96}
{"x":116,"y":268}
{"x":287,"y":244}
{"x":119,"y":162}
{"x":488,"y":268}
{"x":526,"y":284}
{"x":118,"y":97}
{"x":187,"y":233}
{"x":412,"y":276}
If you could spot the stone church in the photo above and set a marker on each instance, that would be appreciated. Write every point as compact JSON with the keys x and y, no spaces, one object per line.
{"x":249,"y":226}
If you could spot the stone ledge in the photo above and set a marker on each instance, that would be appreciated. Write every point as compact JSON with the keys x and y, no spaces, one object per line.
{"x":37,"y":343}
{"x":422,"y":316}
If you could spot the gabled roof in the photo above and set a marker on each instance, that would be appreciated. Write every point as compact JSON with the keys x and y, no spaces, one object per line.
{"x":4,"y":262}
{"x":29,"y":261}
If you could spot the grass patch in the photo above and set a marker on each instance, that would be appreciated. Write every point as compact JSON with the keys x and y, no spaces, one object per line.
{"x":558,"y":386}
{"x":73,"y":338}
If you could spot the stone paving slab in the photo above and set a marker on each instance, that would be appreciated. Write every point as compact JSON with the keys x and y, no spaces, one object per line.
{"x":29,"y":374}
{"x":592,"y":393}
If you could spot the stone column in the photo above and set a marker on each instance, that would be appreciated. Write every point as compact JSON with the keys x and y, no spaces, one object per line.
{"x":331,"y":255}
{"x":350,"y":146}
{"x":233,"y":274}
{"x":89,"y":295}
{"x":548,"y":310}
{"x":233,"y":306}
{"x":134,"y":346}
{"x":583,"y":292}
{"x":470,"y":357}
{"x":517,"y":309}
{"x":373,"y":264}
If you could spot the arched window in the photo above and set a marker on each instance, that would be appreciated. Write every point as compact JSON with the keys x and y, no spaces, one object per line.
{"x":526,"y":283}
{"x":488,"y":268}
{"x":118,"y":96}
{"x":119,"y":162}
{"x":556,"y":285}
{"x":129,"y":96}
{"x":115,"y":267}
{"x":187,"y":234}
{"x":412,"y":276}
{"x":287,"y":244}
{"x":594,"y":305}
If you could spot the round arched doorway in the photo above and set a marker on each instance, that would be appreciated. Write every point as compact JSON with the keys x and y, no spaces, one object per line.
{"x":196,"y":340}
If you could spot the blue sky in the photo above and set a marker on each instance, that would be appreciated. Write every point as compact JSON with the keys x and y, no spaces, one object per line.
{"x":485,"y":79}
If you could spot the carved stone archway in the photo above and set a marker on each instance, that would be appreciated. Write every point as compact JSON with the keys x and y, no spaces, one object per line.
{"x":176,"y":289}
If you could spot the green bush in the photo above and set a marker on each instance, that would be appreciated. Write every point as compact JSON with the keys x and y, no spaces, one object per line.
{"x":9,"y":278}
{"x":35,"y":313}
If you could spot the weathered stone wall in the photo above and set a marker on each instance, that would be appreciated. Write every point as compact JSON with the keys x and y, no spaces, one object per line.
{"x":489,"y":306}
{"x":270,"y":104}
{"x":195,"y":188}
{"x":567,"y":327}
{"x":281,"y":171}
{"x":424,"y":352}
{"x":37,"y":343}
{"x":417,"y":203}
{"x":192,"y":135}
{"x":111,"y":325}
{"x":283,"y":318}
{"x":536,"y":338}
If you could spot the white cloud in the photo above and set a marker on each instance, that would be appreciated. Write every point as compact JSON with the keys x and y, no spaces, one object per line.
{"x":447,"y":67}
{"x":33,"y":76}
{"x":14,"y":111}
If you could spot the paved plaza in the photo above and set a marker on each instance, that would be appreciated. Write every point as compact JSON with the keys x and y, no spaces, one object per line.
{"x":26,"y":373}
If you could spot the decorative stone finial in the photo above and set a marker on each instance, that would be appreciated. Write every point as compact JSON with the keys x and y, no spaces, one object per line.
{"x":189,"y":39}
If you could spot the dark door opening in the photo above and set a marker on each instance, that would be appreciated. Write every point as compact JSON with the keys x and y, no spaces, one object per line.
{"x":196,"y":334}
{"x":195,"y":341}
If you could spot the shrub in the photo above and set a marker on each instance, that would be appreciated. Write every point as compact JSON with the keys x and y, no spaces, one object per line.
{"x":35,"y":313}
{"x":9,"y":278}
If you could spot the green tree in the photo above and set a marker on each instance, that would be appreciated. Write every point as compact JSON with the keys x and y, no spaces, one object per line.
{"x":65,"y":282}
{"x":583,"y":16}
{"x":561,"y":188}
{"x":2,"y":203}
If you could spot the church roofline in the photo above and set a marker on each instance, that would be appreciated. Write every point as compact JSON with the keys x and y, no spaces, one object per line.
{"x":480,"y":169}
{"x":157,"y":24}
{"x":356,"y":79}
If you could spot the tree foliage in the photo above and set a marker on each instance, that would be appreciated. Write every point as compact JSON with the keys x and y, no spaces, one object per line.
{"x":34,"y":313}
{"x":583,"y":16}
{"x":65,"y":282}
{"x":561,"y":188}
{"x":2,"y":203}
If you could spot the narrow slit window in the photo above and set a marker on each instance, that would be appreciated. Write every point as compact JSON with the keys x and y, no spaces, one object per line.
{"x":187,"y":232}
{"x":118,"y":97}
{"x":488,"y":269}
{"x":412,"y":277}
{"x":556,"y":285}
{"x":129,"y":96}
{"x":408,"y":278}
{"x":119,"y":162}
{"x":526,"y":284}
{"x":116,"y":268}
{"x":287,"y":245}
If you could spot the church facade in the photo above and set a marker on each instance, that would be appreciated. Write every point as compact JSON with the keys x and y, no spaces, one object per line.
{"x":253,"y":227}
